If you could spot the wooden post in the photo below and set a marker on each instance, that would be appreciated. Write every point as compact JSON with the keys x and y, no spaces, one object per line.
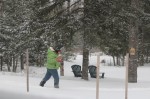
{"x":27,"y":69}
{"x":126,"y":76}
{"x":97,"y":77}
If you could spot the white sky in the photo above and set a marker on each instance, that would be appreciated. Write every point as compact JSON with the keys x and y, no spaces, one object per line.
{"x":13,"y":85}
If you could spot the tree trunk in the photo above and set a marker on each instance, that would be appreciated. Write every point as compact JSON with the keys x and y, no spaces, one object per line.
{"x":141,"y":50}
{"x":122,"y":60}
{"x":38,"y":59}
{"x":16,"y":64}
{"x":147,"y":55}
{"x":114,"y":60}
{"x":133,"y":55}
{"x":86,"y":32}
{"x":118,"y":61}
{"x":133,"y":43}
{"x":85,"y":63}
{"x":21,"y":62}
{"x":1,"y":11}
{"x":9,"y":61}
{"x":1,"y":63}
{"x":62,"y":68}
{"x":13,"y":69}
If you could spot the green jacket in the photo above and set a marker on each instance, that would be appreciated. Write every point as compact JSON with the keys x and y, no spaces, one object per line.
{"x":51,"y":60}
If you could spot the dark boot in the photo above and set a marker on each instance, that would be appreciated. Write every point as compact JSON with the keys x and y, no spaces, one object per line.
{"x":42,"y":83}
{"x":56,"y":86}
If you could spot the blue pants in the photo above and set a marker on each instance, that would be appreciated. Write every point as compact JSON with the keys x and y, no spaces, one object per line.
{"x":54,"y":73}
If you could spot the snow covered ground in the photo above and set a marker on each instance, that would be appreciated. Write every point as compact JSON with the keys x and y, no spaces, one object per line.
{"x":13,"y":85}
